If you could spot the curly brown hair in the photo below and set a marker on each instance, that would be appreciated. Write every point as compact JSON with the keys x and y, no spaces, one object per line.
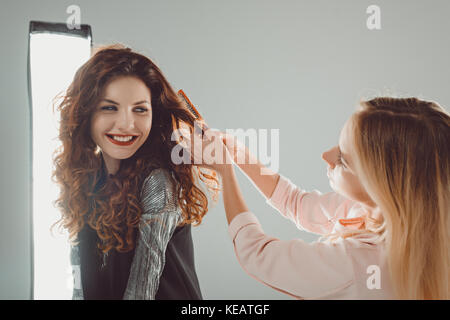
{"x":114,"y":209}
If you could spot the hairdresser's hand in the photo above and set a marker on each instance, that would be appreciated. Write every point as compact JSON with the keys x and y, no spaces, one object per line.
{"x":208,"y":151}
{"x":239,"y":152}
{"x":264,"y":178}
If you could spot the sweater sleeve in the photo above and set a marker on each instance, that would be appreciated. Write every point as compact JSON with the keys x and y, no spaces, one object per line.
{"x":310,"y":211}
{"x":296,"y":268}
{"x":161,"y":215}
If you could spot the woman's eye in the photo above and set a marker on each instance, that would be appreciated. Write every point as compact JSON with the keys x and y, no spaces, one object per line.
{"x":141,"y":109}
{"x":114,"y":108}
{"x":108,"y":108}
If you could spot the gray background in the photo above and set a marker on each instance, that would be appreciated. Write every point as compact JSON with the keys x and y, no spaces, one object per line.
{"x":299,"y":66}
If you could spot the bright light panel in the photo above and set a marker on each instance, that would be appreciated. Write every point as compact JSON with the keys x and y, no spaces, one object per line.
{"x":54,"y":59}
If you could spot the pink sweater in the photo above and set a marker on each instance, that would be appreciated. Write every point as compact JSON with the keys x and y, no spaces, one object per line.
{"x":351,"y":268}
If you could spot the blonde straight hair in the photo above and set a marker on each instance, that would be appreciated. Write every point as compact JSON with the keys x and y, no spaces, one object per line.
{"x":401,"y":156}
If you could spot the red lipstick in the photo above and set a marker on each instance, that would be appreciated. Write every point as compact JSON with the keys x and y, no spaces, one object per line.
{"x":121,"y":143}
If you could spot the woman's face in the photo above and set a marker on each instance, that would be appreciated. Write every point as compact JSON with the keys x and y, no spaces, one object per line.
{"x":122,"y":120}
{"x":340,"y":171}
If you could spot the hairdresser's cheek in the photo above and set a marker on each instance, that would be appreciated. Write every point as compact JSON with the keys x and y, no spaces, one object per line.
{"x":352,"y":188}
{"x":340,"y":183}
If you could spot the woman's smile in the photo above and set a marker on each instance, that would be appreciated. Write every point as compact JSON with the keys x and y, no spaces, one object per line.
{"x":122,"y":140}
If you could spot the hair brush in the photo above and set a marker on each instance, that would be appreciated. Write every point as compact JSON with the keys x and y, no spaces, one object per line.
{"x":192,"y":109}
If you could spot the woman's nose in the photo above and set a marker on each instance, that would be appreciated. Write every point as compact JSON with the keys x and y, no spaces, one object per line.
{"x":125,"y":122}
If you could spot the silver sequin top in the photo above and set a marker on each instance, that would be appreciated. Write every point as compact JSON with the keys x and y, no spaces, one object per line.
{"x":161,"y":215}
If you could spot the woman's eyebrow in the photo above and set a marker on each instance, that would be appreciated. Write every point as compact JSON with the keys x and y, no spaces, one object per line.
{"x":113,"y":102}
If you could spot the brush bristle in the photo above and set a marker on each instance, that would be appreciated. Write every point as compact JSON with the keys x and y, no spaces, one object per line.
{"x":189,"y":105}
{"x":194,"y":111}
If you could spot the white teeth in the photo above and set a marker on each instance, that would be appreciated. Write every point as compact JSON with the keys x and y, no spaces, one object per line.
{"x":122,"y":139}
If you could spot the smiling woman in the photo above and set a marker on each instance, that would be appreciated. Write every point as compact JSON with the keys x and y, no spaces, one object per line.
{"x":121,"y":129}
{"x":127,"y":207}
